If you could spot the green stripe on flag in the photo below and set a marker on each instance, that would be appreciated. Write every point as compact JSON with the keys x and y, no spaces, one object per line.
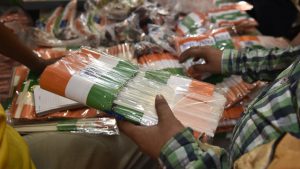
{"x":129,"y":114}
{"x":158,"y":75}
{"x":175,"y":71}
{"x":67,"y":125}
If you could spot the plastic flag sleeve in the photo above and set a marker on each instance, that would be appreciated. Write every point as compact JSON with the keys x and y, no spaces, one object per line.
{"x":246,"y":41}
{"x":116,"y":86}
{"x":193,"y":23}
{"x":124,"y":51}
{"x":164,"y":61}
{"x":106,"y":126}
{"x":234,"y":89}
{"x":231,"y":17}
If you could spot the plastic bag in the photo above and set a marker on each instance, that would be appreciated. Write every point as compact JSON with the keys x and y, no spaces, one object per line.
{"x":186,"y":6}
{"x":222,"y":38}
{"x":49,"y":53}
{"x":192,"y":24}
{"x":162,"y":36}
{"x":65,"y":28}
{"x":259,"y":42}
{"x":21,"y":112}
{"x":146,"y":48}
{"x":106,"y":126}
{"x":126,"y":31}
{"x":234,"y":89}
{"x":164,"y":61}
{"x":229,"y":17}
{"x":124,"y":51}
{"x":117,"y":86}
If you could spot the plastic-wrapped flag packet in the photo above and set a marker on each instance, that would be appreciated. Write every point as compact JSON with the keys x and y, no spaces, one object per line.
{"x":246,"y":41}
{"x":229,"y":4}
{"x":162,"y":36}
{"x":184,"y":43}
{"x":234,"y":89}
{"x":163,"y":61}
{"x":146,"y":48}
{"x":51,"y":21}
{"x":49,"y":53}
{"x":192,"y":24}
{"x":231,"y":17}
{"x":65,"y":28}
{"x":23,"y":107}
{"x":124,"y":51}
{"x":116,"y":86}
{"x":106,"y":126}
{"x":222,"y":38}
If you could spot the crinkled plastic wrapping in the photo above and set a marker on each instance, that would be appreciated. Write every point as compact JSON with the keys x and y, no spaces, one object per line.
{"x":246,"y":41}
{"x":116,"y":86}
{"x":50,"y":53}
{"x":231,"y":17}
{"x":22,"y":111}
{"x":162,"y":61}
{"x":125,"y":31}
{"x":62,"y":28}
{"x":124,"y":51}
{"x":186,"y":6}
{"x":234,"y":89}
{"x":162,"y":36}
{"x":106,"y":126}
{"x":192,"y":24}
{"x":219,"y":38}
{"x":146,"y":48}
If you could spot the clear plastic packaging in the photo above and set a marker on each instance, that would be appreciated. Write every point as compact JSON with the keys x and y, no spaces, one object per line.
{"x":22,"y":115}
{"x":116,"y":86}
{"x":162,"y":61}
{"x":234,"y":89}
{"x":146,"y":48}
{"x":50,"y":53}
{"x":65,"y":27}
{"x":246,"y":41}
{"x":162,"y":36}
{"x":124,"y":51}
{"x":231,"y":17}
{"x":192,"y":24}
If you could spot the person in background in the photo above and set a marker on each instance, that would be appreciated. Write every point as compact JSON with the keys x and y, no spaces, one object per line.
{"x":266,"y":134}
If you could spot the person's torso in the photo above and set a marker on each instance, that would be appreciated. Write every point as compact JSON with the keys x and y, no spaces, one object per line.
{"x":271,"y":114}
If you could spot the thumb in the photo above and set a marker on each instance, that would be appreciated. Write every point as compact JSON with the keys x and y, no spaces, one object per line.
{"x":163,"y":110}
{"x":131,"y":130}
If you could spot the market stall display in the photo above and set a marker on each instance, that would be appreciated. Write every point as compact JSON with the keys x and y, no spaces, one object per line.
{"x":136,"y":45}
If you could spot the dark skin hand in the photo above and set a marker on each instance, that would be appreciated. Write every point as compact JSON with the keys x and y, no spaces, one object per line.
{"x":152,"y":139}
{"x":211,"y":55}
{"x":12,"y":47}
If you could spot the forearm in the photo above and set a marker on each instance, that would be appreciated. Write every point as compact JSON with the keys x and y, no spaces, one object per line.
{"x":258,"y":64}
{"x":12,"y":47}
{"x":184,"y":151}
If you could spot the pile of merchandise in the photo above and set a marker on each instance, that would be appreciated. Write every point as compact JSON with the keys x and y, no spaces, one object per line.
{"x":132,"y":55}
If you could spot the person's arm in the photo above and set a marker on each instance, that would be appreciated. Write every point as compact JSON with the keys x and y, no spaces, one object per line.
{"x":258,"y":64}
{"x":174,"y":145}
{"x":251,"y":64}
{"x":12,"y":47}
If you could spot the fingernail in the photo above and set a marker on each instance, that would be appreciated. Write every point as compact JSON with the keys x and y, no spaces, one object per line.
{"x":159,"y":96}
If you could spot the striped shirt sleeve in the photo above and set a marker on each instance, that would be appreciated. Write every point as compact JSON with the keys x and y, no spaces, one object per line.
{"x":258,"y":64}
{"x":184,"y":151}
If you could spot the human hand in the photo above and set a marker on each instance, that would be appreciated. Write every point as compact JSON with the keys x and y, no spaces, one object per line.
{"x":211,"y":55}
{"x":152,"y":139}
